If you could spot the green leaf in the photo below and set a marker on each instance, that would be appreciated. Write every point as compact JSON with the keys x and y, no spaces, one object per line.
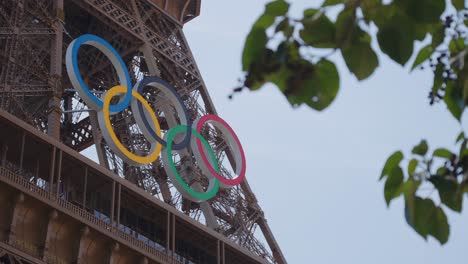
{"x":412,"y":165}
{"x":393,"y":185}
{"x":462,"y":86}
{"x":396,"y":39}
{"x":459,"y":92}
{"x":409,"y":190}
{"x":263,"y":22}
{"x":385,"y":13}
{"x":458,"y":4}
{"x":442,"y":171}
{"x":326,"y":84}
{"x":317,"y":88}
{"x":442,"y":153}
{"x":284,"y":27}
{"x":277,"y":8}
{"x":427,"y":219}
{"x":346,"y":28}
{"x":422,"y":11}
{"x":421,"y":30}
{"x":392,"y":162}
{"x":453,"y":99}
{"x":465,"y":90}
{"x":254,"y":47}
{"x":355,"y":44}
{"x":286,"y":54}
{"x":288,"y":59}
{"x":460,"y":137}
{"x":448,"y":191}
{"x":280,"y":78}
{"x":318,"y":31}
{"x":266,"y":64}
{"x":418,"y":214}
{"x":438,"y":36}
{"x":421,"y":149}
{"x":422,"y":56}
{"x":370,"y":9}
{"x":440,"y":228}
{"x":463,"y":150}
{"x":286,"y":69}
{"x":456,"y":46}
{"x":332,"y":2}
{"x":410,"y":187}
{"x":353,"y":56}
{"x":438,"y":78}
{"x":311,"y":12}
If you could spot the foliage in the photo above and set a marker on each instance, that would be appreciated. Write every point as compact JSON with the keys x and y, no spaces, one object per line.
{"x":293,"y":54}
{"x":443,"y":171}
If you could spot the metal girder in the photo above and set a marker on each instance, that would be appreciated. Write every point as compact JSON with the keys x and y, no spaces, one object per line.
{"x":6,"y":32}
{"x":16,"y":256}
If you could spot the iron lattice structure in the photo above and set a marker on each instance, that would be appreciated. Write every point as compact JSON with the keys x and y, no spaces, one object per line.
{"x":34,"y":86}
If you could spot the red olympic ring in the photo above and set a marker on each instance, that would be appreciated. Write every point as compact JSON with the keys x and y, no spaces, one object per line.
{"x":241,"y":175}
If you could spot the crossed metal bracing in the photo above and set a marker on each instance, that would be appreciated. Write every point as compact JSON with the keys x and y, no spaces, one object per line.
{"x":25,"y":40}
{"x":27,"y":32}
{"x":7,"y":257}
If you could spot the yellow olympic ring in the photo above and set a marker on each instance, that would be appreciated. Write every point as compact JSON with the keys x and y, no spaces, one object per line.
{"x":138,"y":159}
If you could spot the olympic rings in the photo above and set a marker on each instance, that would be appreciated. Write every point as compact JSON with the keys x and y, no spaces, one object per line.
{"x":184,"y":188}
{"x":148,"y":123}
{"x":78,"y":82}
{"x":111,"y":138}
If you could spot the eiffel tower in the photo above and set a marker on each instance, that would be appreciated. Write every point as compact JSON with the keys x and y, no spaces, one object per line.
{"x":60,"y":207}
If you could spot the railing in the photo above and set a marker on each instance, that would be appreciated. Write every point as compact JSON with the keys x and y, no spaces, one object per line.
{"x":86,"y":217}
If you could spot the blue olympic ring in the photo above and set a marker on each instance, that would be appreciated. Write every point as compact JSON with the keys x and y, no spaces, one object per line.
{"x":115,"y":58}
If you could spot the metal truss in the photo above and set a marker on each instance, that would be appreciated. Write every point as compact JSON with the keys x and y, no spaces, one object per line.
{"x":34,"y":35}
{"x":11,"y":255}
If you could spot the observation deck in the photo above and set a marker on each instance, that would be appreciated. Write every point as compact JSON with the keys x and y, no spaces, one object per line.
{"x":60,"y":207}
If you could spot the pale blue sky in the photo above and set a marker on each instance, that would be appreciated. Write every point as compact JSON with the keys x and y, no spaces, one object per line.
{"x":315,"y":173}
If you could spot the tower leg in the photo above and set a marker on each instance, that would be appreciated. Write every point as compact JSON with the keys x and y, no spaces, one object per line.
{"x":53,"y":120}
